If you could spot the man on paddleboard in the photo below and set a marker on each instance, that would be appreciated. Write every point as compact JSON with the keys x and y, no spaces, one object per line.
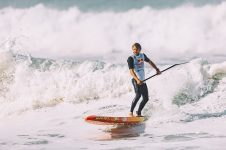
{"x":136,"y":67}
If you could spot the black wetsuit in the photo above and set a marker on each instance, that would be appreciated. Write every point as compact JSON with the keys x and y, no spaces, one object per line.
{"x":139,"y":89}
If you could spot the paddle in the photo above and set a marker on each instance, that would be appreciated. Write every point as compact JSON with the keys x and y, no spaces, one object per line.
{"x":164,"y":70}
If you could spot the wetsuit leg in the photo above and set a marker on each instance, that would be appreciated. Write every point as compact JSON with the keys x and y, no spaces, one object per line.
{"x":144,"y":93}
{"x":137,"y":96}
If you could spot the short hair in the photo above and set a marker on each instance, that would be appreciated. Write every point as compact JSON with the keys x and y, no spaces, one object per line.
{"x":137,"y":45}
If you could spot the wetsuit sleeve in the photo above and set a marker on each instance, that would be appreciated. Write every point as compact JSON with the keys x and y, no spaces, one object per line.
{"x":130,"y":63}
{"x":146,"y":58}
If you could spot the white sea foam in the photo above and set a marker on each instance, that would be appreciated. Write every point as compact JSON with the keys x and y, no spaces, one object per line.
{"x":181,"y":32}
{"x":58,"y":94}
{"x":32,"y":83}
{"x":43,"y":100}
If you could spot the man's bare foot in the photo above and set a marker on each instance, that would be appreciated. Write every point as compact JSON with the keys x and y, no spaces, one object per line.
{"x":131,"y":114}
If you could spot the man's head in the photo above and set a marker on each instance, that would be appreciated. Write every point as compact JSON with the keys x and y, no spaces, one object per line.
{"x":136,"y":47}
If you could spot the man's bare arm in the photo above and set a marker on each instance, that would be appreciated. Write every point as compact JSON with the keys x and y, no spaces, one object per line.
{"x":154,"y":66}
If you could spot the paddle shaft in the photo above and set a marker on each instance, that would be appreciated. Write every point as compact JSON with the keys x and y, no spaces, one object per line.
{"x":164,"y":70}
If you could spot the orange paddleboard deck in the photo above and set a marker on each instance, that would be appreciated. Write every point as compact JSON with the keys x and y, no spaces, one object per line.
{"x":108,"y":120}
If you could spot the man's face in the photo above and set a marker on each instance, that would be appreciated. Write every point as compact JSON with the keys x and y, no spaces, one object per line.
{"x":136,"y":51}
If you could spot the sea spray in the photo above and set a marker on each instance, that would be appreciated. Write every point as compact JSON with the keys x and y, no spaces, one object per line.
{"x":164,"y":34}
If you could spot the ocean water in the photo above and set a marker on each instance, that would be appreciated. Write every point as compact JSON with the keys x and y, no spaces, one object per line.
{"x":61,"y":61}
{"x":106,"y":5}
